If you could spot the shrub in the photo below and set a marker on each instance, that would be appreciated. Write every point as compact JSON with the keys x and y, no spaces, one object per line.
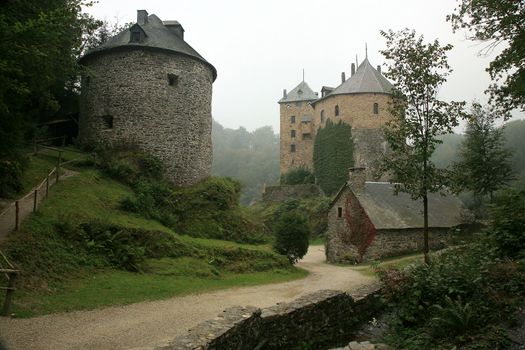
{"x":292,"y":234}
{"x":298,"y":176}
{"x":10,"y":175}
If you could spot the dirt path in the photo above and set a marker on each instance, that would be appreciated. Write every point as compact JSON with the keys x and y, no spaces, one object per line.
{"x":150,"y":323}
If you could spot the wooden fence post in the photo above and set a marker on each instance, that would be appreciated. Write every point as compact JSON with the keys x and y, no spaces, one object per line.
{"x":17,"y":215}
{"x":35,"y":199}
{"x":9,"y":293}
{"x":58,"y":165}
{"x":47,"y":185}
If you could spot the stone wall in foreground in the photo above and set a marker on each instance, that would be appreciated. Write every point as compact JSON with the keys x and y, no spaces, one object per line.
{"x":322,"y":319}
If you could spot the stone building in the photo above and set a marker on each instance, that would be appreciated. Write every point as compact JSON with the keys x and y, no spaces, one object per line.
{"x":366,"y":221}
{"x":361,"y":101}
{"x":147,"y":86}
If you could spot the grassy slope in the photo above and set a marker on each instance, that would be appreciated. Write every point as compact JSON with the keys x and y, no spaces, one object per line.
{"x":91,"y":195}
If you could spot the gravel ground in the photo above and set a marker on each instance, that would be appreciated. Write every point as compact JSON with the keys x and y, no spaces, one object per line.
{"x":150,"y":323}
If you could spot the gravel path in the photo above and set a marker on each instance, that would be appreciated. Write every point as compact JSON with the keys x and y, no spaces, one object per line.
{"x":150,"y":323}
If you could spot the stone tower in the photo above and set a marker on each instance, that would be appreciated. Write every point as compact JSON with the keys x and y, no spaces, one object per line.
{"x":147,"y":86}
{"x":361,"y":101}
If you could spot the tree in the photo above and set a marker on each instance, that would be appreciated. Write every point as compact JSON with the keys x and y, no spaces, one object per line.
{"x":291,"y":235}
{"x":496,"y":22}
{"x":333,"y":155}
{"x":418,"y":116}
{"x":298,"y":176}
{"x":484,"y":164}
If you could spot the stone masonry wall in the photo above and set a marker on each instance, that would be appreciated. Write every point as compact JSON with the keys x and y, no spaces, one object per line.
{"x":285,"y":192}
{"x":322,"y":319}
{"x":172,"y":122}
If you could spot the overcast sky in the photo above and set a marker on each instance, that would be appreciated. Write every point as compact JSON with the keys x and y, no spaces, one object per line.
{"x":260,"y":48}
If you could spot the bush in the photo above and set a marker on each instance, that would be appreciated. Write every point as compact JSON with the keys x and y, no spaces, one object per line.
{"x":298,"y":176}
{"x":10,"y":175}
{"x":292,"y":232}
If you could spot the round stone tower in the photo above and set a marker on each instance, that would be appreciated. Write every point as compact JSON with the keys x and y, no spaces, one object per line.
{"x":147,"y":86}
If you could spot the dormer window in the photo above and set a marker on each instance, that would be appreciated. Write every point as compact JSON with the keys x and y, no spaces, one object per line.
{"x":136,"y":34}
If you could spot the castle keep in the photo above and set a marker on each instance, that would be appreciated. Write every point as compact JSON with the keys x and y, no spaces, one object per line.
{"x":147,"y":86}
{"x":361,"y":101}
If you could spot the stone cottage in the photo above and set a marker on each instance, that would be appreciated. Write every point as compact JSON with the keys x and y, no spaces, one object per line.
{"x":367,"y":221}
{"x":148,"y":86}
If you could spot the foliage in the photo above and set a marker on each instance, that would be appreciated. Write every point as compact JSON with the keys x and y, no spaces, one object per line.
{"x":249,"y":157}
{"x":496,"y":22}
{"x":507,"y":227}
{"x":291,"y":236}
{"x":419,"y":117}
{"x":333,"y":155}
{"x":454,"y":318}
{"x":515,"y":143}
{"x":484,"y":162}
{"x":446,"y":152}
{"x":298,"y":176}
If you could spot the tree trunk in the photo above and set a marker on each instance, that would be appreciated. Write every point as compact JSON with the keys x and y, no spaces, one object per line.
{"x":425,"y":229}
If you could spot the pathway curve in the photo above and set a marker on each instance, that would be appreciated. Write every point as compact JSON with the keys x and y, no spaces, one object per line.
{"x":150,"y":323}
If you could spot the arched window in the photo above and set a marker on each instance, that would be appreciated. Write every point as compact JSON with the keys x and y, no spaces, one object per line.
{"x":336,"y":110}
{"x":376,"y":108}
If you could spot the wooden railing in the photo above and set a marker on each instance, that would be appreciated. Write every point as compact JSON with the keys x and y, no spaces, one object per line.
{"x":10,"y":273}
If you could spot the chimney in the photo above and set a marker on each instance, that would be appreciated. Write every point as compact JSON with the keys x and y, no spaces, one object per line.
{"x":142,"y":16}
{"x":379,"y":68}
{"x":352,"y":71}
{"x":356,"y":179}
{"x":343,"y":77}
{"x":284,"y":93}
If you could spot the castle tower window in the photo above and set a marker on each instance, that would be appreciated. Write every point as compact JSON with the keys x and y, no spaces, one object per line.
{"x":305,"y":119}
{"x":307,"y":136}
{"x":107,"y":122}
{"x":292,"y":119}
{"x":322,"y":116}
{"x":292,"y":148}
{"x":337,"y":110}
{"x":292,"y":133}
{"x":339,"y":212}
{"x":173,"y":79}
{"x":376,"y":108}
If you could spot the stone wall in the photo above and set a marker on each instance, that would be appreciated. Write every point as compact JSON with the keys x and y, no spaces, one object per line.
{"x":285,"y":192}
{"x":127,"y":97}
{"x":321,"y":319}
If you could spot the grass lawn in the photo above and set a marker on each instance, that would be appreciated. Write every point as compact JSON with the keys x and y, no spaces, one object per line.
{"x":317,"y":241}
{"x":398,"y":262}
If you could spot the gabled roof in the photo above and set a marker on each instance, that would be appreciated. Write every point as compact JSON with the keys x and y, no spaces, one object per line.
{"x":158,"y":36}
{"x":390,"y":211}
{"x":365,"y":79}
{"x":301,"y":92}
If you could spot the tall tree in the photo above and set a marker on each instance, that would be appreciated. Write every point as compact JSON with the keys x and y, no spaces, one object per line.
{"x":496,"y":22}
{"x":419,"y":117}
{"x":484,"y":164}
{"x":333,"y":155}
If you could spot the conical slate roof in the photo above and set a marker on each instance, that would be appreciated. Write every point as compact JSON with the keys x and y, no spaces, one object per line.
{"x":301,"y":92}
{"x":365,"y":79}
{"x":158,"y":36}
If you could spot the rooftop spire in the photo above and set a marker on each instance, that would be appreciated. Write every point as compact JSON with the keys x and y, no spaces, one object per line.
{"x":303,"y":74}
{"x":366,"y":50}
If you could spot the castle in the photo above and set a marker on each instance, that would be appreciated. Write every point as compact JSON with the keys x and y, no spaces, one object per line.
{"x":361,"y":101}
{"x":147,"y":86}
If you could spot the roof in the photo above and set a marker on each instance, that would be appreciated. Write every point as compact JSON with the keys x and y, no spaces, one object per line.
{"x":158,"y":36}
{"x":301,"y":92}
{"x":387,"y":210}
{"x":365,"y":79}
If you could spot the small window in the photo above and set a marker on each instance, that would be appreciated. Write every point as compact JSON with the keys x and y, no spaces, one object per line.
{"x":337,"y":110}
{"x":322,"y":116}
{"x":297,"y":104}
{"x":107,"y":121}
{"x":305,"y":119}
{"x":339,"y":212}
{"x":292,"y":119}
{"x":293,"y":161}
{"x":292,"y":133}
{"x":135,"y":36}
{"x":292,"y":148}
{"x":307,"y":136}
{"x":376,"y":108}
{"x":173,"y":79}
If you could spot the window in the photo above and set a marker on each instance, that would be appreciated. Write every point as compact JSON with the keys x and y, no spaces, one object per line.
{"x":293,"y":161}
{"x":292,"y":133}
{"x":322,"y":116}
{"x":336,"y":110}
{"x":297,"y":104}
{"x":107,"y":121}
{"x":307,"y":136}
{"x":339,"y":212}
{"x":173,"y":79}
{"x":292,"y":119}
{"x":135,"y":36}
{"x":292,"y":148}
{"x":305,"y":119}
{"x":376,"y":108}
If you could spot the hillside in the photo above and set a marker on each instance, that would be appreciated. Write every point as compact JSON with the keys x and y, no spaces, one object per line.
{"x":86,"y":248}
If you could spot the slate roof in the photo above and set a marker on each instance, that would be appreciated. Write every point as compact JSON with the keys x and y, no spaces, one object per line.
{"x":365,"y":79}
{"x":301,"y":92}
{"x":390,"y":211}
{"x":158,"y":36}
